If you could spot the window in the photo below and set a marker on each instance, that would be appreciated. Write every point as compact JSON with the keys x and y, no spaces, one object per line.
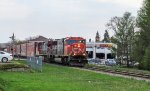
{"x":69,"y":42}
{"x":90,"y":54}
{"x":100,"y":55}
{"x":110,"y":56}
{"x":2,"y":53}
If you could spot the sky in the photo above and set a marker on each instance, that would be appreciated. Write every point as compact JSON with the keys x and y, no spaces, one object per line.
{"x":60,"y":18}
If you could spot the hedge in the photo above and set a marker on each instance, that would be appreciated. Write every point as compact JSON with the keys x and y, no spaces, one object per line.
{"x":12,"y":65}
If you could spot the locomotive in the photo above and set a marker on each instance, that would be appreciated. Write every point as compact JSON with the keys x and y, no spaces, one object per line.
{"x":70,"y":50}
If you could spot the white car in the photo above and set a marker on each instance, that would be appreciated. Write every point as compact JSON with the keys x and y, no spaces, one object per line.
{"x":5,"y":57}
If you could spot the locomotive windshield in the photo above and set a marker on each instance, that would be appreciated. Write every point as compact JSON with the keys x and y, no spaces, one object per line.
{"x":69,"y":42}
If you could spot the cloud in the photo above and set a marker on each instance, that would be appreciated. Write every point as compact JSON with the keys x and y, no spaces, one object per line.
{"x":60,"y":18}
{"x":71,"y":6}
{"x":127,"y":3}
{"x":10,"y":9}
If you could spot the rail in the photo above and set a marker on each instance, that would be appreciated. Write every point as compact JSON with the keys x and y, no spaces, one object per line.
{"x":127,"y":73}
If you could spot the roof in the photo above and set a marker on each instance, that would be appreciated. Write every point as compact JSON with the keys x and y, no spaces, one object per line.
{"x":39,"y":38}
{"x":3,"y":45}
{"x":75,"y":38}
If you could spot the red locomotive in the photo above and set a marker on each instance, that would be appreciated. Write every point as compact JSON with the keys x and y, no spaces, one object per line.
{"x":70,"y":50}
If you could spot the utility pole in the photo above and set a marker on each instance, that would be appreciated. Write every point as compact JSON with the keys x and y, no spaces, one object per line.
{"x":12,"y":43}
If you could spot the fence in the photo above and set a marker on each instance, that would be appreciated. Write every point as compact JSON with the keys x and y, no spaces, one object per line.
{"x":35,"y":63}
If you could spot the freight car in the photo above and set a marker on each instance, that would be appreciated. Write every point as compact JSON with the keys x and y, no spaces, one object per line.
{"x":70,"y":50}
{"x":31,"y":47}
{"x":27,"y":49}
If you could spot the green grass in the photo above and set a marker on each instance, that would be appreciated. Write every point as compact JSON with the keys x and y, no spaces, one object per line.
{"x":60,"y":78}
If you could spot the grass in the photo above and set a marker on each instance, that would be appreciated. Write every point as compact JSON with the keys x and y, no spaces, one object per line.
{"x":60,"y":78}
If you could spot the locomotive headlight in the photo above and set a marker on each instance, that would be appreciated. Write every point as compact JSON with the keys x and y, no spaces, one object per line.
{"x":75,"y":45}
{"x":74,"y":54}
{"x":84,"y":54}
{"x":79,"y":45}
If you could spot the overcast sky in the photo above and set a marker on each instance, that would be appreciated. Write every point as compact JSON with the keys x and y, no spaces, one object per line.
{"x":60,"y":18}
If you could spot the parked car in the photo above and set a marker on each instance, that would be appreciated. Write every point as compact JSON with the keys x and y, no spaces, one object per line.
{"x":110,"y":62}
{"x":5,"y":57}
{"x":118,"y":61}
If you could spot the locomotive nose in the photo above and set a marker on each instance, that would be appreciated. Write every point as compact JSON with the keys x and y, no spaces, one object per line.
{"x":77,"y":45}
{"x":78,"y":49}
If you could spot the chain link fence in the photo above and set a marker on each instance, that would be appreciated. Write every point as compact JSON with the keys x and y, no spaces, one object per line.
{"x":35,"y":63}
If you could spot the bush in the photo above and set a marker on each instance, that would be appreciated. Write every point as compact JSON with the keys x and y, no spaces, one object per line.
{"x":12,"y":65}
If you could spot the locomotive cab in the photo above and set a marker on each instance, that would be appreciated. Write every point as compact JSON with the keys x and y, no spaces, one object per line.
{"x":75,"y":48}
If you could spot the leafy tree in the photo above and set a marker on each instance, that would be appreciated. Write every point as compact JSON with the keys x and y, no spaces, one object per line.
{"x":106,"y":37}
{"x":143,"y":40}
{"x":146,"y":60}
{"x":124,"y":35}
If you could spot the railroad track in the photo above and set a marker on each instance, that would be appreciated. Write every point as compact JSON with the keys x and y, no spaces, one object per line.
{"x":119,"y":72}
{"x":126,"y":73}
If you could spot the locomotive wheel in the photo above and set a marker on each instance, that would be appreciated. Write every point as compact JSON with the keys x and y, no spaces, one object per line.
{"x":66,"y":61}
{"x":51,"y":60}
{"x":70,"y":64}
{"x":63,"y":61}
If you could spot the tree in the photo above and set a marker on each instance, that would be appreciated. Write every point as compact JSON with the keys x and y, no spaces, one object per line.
{"x":146,"y":59}
{"x":143,"y":40}
{"x":106,"y":37}
{"x":123,"y":28}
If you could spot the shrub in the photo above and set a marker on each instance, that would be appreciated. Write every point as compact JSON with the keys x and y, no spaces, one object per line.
{"x":12,"y":65}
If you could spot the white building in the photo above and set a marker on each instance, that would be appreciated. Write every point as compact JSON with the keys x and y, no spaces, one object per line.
{"x":99,"y":51}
